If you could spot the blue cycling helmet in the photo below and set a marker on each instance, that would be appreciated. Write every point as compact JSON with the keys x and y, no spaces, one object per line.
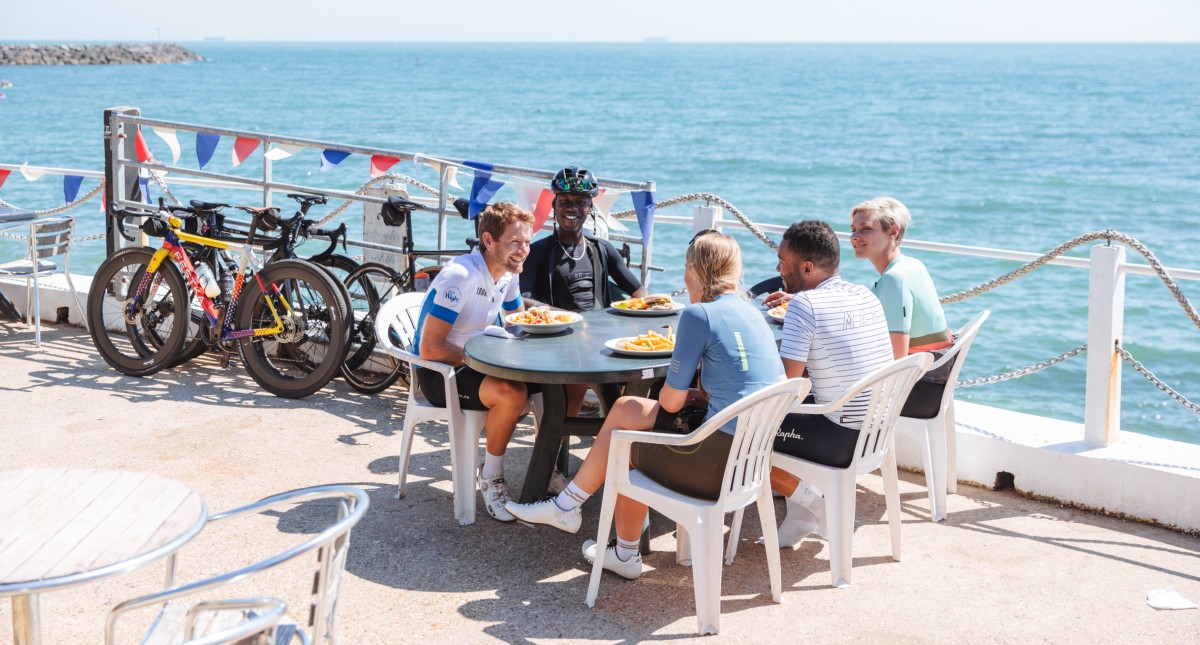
{"x":575,"y":180}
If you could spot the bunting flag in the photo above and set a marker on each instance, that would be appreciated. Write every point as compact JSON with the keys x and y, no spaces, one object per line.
{"x":4,"y":176}
{"x":536,"y":198}
{"x":380,"y":164}
{"x":451,"y":176}
{"x":242,"y":148}
{"x":603,"y":204}
{"x":281,"y":151}
{"x":144,"y":184}
{"x":104,"y":198}
{"x":30,"y":174}
{"x":71,"y":187}
{"x":140,"y":147}
{"x":643,"y":205}
{"x":168,"y":135}
{"x":483,"y":189}
{"x":331,"y":158}
{"x":205,"y":145}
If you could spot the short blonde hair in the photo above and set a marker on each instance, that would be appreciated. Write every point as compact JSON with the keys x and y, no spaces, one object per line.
{"x":717,"y":260}
{"x":889,"y":212}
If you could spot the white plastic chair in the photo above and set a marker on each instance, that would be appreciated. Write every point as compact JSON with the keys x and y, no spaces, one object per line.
{"x":396,"y":321}
{"x":936,"y":437}
{"x":178,"y":620}
{"x":889,"y":388}
{"x":47,"y":239}
{"x":699,"y":522}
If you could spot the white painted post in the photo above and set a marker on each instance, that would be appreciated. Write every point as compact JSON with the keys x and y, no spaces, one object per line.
{"x":706,"y":217}
{"x":1106,"y":325}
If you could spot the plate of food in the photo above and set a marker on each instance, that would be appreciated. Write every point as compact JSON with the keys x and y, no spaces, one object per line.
{"x":542,"y":320}
{"x":778,"y":313}
{"x":650,"y":343}
{"x":659,"y":304}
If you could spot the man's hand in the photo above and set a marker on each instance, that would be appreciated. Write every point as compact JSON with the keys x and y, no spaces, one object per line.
{"x":775,"y":299}
{"x":639,"y":293}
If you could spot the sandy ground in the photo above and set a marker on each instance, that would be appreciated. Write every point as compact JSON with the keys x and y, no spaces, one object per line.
{"x":1000,"y":569}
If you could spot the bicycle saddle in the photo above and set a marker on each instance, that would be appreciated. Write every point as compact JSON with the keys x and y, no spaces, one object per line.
{"x":207,"y":206}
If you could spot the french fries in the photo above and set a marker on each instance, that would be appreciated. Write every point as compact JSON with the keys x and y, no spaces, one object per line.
{"x":779,"y":312}
{"x":541,"y":316}
{"x":650,"y":341}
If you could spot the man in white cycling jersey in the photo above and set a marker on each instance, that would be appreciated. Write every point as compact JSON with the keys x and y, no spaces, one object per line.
{"x":463,"y":300}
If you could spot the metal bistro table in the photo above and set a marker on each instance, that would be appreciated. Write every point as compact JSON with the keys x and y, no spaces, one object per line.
{"x":576,"y":355}
{"x":61,"y":528}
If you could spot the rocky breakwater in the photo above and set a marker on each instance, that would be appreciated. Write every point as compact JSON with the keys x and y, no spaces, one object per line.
{"x":117,"y":54}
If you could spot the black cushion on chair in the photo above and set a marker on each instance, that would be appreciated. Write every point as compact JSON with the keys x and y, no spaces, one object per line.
{"x":769,"y":285}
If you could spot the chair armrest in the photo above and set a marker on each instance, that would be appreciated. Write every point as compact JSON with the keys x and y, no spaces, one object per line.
{"x":409,"y":357}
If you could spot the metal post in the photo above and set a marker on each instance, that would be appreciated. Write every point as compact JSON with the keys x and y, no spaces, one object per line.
{"x":1106,"y":325}
{"x":443,"y":175}
{"x":266,"y":176}
{"x":26,"y":621}
{"x":119,"y":183}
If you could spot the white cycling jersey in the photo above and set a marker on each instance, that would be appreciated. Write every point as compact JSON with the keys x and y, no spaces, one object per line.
{"x":465,"y":295}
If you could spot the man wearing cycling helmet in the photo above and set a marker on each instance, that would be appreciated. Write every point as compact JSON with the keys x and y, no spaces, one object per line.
{"x":570,"y":269}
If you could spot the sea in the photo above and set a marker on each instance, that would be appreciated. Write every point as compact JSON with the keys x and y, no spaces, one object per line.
{"x":1019,"y":147}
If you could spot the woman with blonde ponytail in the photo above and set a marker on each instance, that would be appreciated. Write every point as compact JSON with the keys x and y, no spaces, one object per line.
{"x":723,"y":339}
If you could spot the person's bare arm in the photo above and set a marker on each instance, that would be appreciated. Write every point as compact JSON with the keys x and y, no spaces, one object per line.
{"x":777,"y":298}
{"x":899,"y":344}
{"x":794,"y":369}
{"x":434,"y":345}
{"x":671,"y":399}
{"x":640,"y":292}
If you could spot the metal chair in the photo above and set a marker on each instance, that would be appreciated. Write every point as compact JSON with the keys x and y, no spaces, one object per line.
{"x":395,"y":326}
{"x":177,"y":621}
{"x":48,"y":238}
{"x":936,"y":435}
{"x":889,"y":387}
{"x":700,"y":522}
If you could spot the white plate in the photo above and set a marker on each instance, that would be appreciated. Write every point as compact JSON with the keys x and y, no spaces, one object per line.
{"x":548,"y":328}
{"x":676,"y":306}
{"x":615,"y":345}
{"x":778,"y":319}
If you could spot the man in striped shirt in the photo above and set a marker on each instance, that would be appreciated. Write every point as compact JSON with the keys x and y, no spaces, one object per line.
{"x":837,"y":330}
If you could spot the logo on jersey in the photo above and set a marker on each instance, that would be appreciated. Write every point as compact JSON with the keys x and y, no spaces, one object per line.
{"x":453,"y":296}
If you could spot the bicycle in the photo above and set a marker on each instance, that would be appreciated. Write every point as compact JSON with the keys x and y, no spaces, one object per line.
{"x":374,"y":283}
{"x":288,"y":322}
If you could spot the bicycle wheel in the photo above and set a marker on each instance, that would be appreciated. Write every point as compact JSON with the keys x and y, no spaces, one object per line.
{"x":339,"y":267}
{"x":137,"y":320}
{"x":366,"y":369}
{"x":306,"y":354}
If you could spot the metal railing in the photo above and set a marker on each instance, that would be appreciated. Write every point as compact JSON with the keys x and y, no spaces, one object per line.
{"x":1106,"y":265}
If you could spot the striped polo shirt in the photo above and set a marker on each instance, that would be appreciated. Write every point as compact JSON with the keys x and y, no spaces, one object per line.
{"x":839,"y":331}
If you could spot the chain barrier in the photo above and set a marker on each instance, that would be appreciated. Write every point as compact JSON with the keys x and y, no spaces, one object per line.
{"x":986,"y":380}
{"x":55,"y":211}
{"x":1106,"y":235}
{"x":1159,"y":383}
{"x":707,"y":198}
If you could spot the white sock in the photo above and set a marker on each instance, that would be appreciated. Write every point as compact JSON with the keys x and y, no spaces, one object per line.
{"x":493,"y":465}
{"x":811,"y":500}
{"x":571,"y":498}
{"x":626,"y":550}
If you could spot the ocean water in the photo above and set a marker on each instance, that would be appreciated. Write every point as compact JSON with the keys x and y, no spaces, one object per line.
{"x":1009,"y":146}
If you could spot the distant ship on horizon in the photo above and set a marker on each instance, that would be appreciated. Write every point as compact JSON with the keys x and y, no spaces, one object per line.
{"x":214,"y":39}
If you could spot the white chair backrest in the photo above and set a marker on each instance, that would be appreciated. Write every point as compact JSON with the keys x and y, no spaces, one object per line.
{"x":962,"y":342}
{"x":889,"y":388}
{"x":397,"y":319}
{"x":758,"y":418}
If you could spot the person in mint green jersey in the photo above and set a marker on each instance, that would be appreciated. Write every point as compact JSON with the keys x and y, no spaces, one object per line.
{"x":914,"y":315}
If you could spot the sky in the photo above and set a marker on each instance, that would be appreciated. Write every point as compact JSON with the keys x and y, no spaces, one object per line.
{"x":845,"y":21}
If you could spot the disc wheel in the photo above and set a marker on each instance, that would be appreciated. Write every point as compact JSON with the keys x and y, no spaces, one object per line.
{"x":138,"y":320}
{"x":306,"y":354}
